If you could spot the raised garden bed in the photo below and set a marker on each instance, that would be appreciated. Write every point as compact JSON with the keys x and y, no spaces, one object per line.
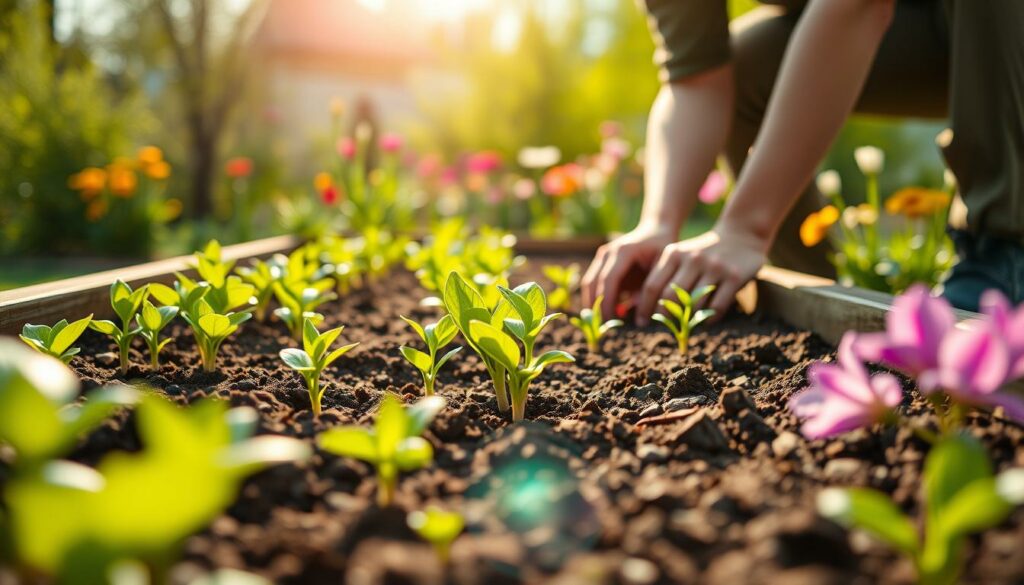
{"x":638,"y":465}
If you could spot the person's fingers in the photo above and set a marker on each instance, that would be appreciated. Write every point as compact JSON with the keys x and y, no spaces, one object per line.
{"x":691,"y":268}
{"x":609,"y":281}
{"x":588,"y":284}
{"x":724,"y":296}
{"x":656,"y":282}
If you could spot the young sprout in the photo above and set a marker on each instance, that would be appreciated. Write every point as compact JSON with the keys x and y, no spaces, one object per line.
{"x":211,"y":329}
{"x":314,"y":357}
{"x":262,"y":276}
{"x":962,"y":497}
{"x":56,"y":341}
{"x":465,"y":304}
{"x":682,"y":318}
{"x":436,"y":336}
{"x":393,"y":444}
{"x":529,"y":304}
{"x":298,"y":300}
{"x":152,"y":320}
{"x":565,"y":279}
{"x":590,"y":323}
{"x":126,"y":304}
{"x":438,"y":527}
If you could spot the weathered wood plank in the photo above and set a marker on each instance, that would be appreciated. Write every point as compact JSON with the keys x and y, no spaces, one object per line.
{"x":73,"y":298}
{"x":823,"y":306}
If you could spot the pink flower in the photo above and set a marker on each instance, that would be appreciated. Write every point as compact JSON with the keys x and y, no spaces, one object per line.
{"x":844,"y":396}
{"x":346,"y":147}
{"x":974,"y":363}
{"x":449,"y":176}
{"x":524,"y":189}
{"x":610,"y":129}
{"x":714,"y":188}
{"x":483,"y":162}
{"x":1009,"y":323}
{"x":915,"y":328}
{"x":616,"y":147}
{"x":429,"y":166}
{"x":391,"y":143}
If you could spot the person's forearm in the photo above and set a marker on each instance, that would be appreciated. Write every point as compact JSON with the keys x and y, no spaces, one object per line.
{"x":826,"y":65}
{"x":687,"y":128}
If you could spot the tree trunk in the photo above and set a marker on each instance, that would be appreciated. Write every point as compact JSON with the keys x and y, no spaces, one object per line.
{"x":204,"y":151}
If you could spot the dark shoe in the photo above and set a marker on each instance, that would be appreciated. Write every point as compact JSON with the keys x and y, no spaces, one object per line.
{"x":985,"y":263}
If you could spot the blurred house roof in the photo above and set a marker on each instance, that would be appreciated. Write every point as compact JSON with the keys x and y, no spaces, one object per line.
{"x":346,"y":34}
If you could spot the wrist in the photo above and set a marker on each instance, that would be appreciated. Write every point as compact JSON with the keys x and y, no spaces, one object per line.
{"x":659,"y":227}
{"x":748,"y":228}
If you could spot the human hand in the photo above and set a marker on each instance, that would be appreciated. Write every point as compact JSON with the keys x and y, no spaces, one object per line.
{"x":725,"y":257}
{"x":621,"y":265}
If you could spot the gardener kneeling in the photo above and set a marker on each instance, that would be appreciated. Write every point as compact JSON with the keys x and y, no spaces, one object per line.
{"x":789,"y":76}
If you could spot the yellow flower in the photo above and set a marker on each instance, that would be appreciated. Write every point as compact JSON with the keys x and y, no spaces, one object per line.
{"x":322,"y":182}
{"x":123,"y":181}
{"x":337,"y":107}
{"x":914,"y":202}
{"x":150,"y":155}
{"x":814,"y":229}
{"x":157,"y":171}
{"x":863,"y":214}
{"x":88,"y":182}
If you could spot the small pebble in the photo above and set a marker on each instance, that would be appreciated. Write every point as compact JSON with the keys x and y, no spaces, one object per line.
{"x":637,"y":571}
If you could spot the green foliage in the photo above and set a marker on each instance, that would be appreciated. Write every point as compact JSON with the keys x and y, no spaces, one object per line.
{"x":126,"y":303}
{"x":528,"y":303}
{"x":566,"y":279}
{"x":591,"y":323}
{"x":152,"y":320}
{"x":73,"y":522}
{"x":484,"y":259}
{"x":465,"y":305}
{"x":298,"y":300}
{"x":962,"y":498}
{"x":314,"y":357}
{"x":435,"y":336}
{"x":39,"y":417}
{"x":681,"y":318}
{"x":57,"y":116}
{"x":393,"y":444}
{"x":56,"y":341}
{"x":438,"y":527}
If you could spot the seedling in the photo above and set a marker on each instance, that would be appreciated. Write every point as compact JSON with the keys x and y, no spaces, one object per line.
{"x":393,"y":444}
{"x":681,"y":318}
{"x":56,"y":341}
{"x":436,"y":336}
{"x":141,"y":505}
{"x":211,"y":329}
{"x":314,"y":357}
{"x":40,"y":417}
{"x":529,"y":304}
{"x":298,"y":300}
{"x":465,"y":304}
{"x":590,"y":323}
{"x":962,"y":498}
{"x":438,"y":527}
{"x":565,"y":279}
{"x":262,"y":276}
{"x":126,"y":304}
{"x":152,"y":320}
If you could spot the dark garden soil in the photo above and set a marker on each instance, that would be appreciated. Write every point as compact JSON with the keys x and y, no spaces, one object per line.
{"x":639,"y":465}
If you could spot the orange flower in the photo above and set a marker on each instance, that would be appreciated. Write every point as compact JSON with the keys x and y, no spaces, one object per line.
{"x":157,"y":171}
{"x":96,"y":210}
{"x":914,"y":202}
{"x":88,"y":182}
{"x":123,"y":181}
{"x":562,"y":181}
{"x":322,"y":182}
{"x":150,"y":155}
{"x":814,"y":229}
{"x":238,"y":167}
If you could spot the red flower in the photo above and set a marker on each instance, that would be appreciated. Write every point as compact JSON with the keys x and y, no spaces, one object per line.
{"x":238,"y":167}
{"x":329,"y":195}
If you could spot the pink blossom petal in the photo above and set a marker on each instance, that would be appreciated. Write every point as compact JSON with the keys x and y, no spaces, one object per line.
{"x":974,"y":361}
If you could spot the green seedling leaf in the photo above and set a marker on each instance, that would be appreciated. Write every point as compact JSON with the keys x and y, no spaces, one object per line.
{"x":681,"y":318}
{"x":56,"y":341}
{"x":297,"y":359}
{"x":314,"y":358}
{"x":496,"y":344}
{"x":872,"y":511}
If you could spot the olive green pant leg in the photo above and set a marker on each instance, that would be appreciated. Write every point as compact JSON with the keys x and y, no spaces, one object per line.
{"x":987,"y":114}
{"x":909,"y":77}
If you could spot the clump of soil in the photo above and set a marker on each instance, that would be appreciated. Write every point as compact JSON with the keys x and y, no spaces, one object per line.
{"x":639,"y":465}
